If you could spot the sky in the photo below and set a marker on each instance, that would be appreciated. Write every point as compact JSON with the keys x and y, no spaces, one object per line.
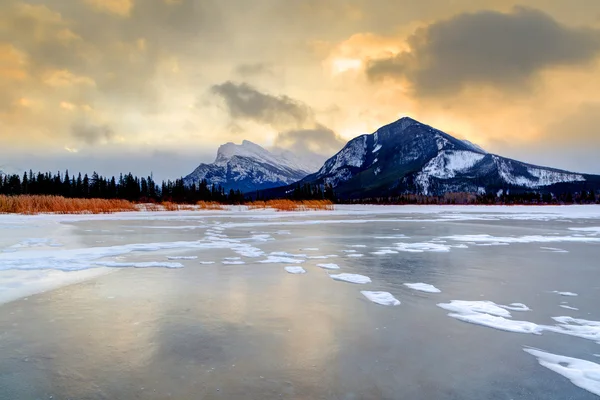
{"x":155,"y":86}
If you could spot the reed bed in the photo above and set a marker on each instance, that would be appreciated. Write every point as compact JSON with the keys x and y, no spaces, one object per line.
{"x":61,"y":205}
{"x":292,"y":205}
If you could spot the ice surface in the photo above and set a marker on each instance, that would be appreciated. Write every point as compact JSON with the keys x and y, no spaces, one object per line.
{"x":15,"y":284}
{"x":352,"y":278}
{"x":295,"y":270}
{"x":568,"y":307}
{"x":355,"y":255}
{"x":383,"y":298}
{"x":423,"y":287}
{"x":182,"y":257}
{"x":569,"y":294}
{"x":149,"y":264}
{"x":357,"y":245}
{"x":328,"y":266}
{"x":310,"y":249}
{"x":348,"y":251}
{"x":233,"y":262}
{"x":206,"y":262}
{"x":582,"y":373}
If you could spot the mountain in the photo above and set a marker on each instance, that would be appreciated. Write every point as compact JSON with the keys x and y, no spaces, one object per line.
{"x":249,"y":167}
{"x":407,"y":156}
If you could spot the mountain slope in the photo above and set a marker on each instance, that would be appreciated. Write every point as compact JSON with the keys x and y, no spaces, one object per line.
{"x":249,"y":167}
{"x":410,"y":157}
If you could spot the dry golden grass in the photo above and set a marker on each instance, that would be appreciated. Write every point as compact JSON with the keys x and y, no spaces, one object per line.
{"x":169,"y":206}
{"x":291,"y":205}
{"x":61,"y":205}
{"x":210,"y":205}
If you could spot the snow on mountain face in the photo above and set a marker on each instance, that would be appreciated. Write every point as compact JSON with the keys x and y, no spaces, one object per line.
{"x":445,"y":166}
{"x":410,"y":157}
{"x":250,"y":167}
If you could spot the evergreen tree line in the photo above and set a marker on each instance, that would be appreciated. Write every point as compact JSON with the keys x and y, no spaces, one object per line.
{"x":128,"y":187}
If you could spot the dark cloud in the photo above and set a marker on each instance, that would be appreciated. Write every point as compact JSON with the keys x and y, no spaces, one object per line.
{"x":487,"y":47}
{"x":92,"y":134}
{"x":247,"y":103}
{"x":256,"y":69}
{"x":318,"y":140}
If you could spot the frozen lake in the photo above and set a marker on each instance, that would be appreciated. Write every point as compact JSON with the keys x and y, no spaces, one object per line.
{"x":364,"y":302}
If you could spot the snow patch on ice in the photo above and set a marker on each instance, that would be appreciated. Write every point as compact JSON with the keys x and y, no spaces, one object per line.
{"x":423,"y":287}
{"x":295,"y":270}
{"x":568,"y":307}
{"x":568,"y":294}
{"x":182,"y":257}
{"x":149,"y":264}
{"x":581,"y":373}
{"x":522,"y":239}
{"x":352,"y":278}
{"x":328,"y":266}
{"x":554,"y":249}
{"x":492,"y":315}
{"x":355,"y":255}
{"x":581,"y":328}
{"x":283,"y":260}
{"x":382,"y":298}
{"x":233,"y":262}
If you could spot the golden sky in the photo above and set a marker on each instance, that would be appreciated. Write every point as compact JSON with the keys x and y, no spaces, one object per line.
{"x":157,"y":85}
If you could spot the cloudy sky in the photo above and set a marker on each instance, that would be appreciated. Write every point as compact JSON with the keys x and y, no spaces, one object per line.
{"x":157,"y":85}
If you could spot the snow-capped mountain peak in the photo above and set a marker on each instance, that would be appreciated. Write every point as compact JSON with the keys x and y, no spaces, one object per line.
{"x":408,"y":156}
{"x":249,"y":167}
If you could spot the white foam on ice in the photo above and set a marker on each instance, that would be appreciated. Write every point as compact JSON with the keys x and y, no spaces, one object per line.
{"x":382,"y":298}
{"x":581,"y":328}
{"x":286,"y":254}
{"x":522,"y":239}
{"x":384,"y":252}
{"x":328,"y":266}
{"x":322,"y":257}
{"x":421,"y":247}
{"x":357,"y":245}
{"x":351,"y":278}
{"x":568,"y":307}
{"x":582,"y":373}
{"x":499,"y":323}
{"x":423,"y":287}
{"x":568,"y":294}
{"x":148,"y":264}
{"x":295,"y":270}
{"x":554,"y":249}
{"x":515,"y":307}
{"x":472,"y":307}
{"x":355,"y":255}
{"x":591,"y":229}
{"x":283,"y":260}
{"x":182,"y":257}
{"x":492,"y":315}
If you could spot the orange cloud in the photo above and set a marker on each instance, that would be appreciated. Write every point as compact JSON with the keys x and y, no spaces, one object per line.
{"x":122,"y":8}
